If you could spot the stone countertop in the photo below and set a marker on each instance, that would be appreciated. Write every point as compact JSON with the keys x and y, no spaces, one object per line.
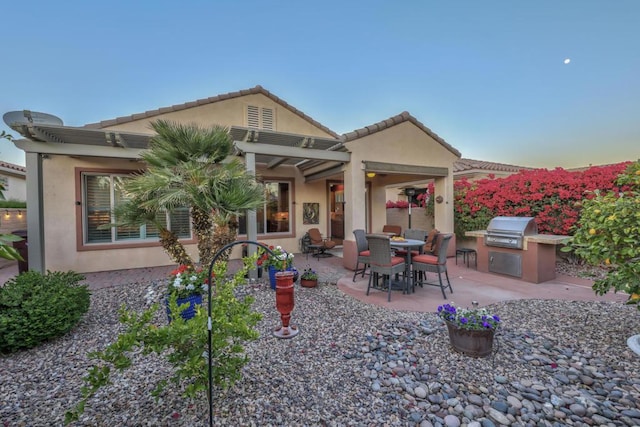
{"x":548,"y":239}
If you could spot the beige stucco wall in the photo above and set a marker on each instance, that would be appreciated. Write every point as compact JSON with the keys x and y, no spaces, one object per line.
{"x":403,"y":144}
{"x":16,"y":187}
{"x":59,"y":206}
{"x":228,"y":113}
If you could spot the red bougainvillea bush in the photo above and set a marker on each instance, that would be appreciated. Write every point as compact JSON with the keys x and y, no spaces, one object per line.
{"x":553,"y":197}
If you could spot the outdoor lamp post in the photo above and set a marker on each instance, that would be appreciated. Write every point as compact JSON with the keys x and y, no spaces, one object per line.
{"x":410,"y":192}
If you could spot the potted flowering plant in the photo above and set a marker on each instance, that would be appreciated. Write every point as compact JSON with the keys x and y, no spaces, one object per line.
{"x":471,"y":330}
{"x":279,"y":260}
{"x":309,"y":278}
{"x":186,"y":286}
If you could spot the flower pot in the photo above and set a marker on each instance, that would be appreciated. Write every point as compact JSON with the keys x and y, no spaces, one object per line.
{"x":309,"y":283}
{"x":189,"y":312}
{"x":474,"y":343}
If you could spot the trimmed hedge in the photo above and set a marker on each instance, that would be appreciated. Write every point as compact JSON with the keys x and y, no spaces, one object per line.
{"x":36,"y":307}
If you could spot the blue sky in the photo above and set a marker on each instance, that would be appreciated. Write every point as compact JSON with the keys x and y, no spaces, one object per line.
{"x":487,"y":76}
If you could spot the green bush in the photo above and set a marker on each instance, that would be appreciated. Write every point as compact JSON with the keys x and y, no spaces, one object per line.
{"x":36,"y":307}
{"x":182,"y":341}
{"x":12,"y":204}
{"x":609,"y":236}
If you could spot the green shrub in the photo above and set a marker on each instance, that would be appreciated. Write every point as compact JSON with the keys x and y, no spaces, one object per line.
{"x":36,"y":307}
{"x":609,"y":236}
{"x":182,"y":341}
{"x":12,"y":204}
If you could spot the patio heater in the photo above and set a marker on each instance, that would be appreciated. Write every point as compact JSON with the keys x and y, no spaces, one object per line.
{"x":410,"y":192}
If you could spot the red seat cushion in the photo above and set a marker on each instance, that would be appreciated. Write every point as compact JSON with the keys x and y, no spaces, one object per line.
{"x":395,"y":260}
{"x":426,"y":259}
{"x":365,"y":253}
{"x":403,"y":252}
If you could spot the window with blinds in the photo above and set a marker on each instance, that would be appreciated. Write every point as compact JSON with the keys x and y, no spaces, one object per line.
{"x":260,"y":117}
{"x":102,"y":193}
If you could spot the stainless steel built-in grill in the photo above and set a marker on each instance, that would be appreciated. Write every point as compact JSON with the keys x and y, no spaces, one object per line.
{"x":509,"y":231}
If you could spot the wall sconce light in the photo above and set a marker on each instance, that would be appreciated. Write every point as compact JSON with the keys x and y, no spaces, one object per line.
{"x":439,"y":199}
{"x":19,"y":214}
{"x":7,"y":214}
{"x":371,"y":174}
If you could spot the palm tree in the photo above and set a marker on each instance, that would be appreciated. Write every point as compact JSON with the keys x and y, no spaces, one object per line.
{"x":190,"y":166}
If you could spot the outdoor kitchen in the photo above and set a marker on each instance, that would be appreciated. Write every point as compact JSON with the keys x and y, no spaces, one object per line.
{"x":512,"y":246}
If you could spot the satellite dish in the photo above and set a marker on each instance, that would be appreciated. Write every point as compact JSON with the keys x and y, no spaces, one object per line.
{"x":26,"y":117}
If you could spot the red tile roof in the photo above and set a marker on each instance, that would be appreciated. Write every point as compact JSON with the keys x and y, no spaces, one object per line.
{"x":464,"y":165}
{"x":7,"y":165}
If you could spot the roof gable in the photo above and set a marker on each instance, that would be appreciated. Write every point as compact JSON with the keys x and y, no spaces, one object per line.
{"x":393,"y":121}
{"x":223,"y":97}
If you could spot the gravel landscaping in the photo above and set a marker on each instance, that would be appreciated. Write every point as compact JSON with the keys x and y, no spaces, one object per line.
{"x":556,"y":363}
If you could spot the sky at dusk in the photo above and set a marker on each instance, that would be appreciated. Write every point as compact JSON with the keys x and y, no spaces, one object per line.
{"x":540,"y":83}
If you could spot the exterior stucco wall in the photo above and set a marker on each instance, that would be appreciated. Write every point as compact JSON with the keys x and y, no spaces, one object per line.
{"x":16,"y":188}
{"x":61,"y":219}
{"x":403,"y":144}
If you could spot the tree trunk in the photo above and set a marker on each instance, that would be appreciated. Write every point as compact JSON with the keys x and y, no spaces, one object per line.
{"x":174,"y":248}
{"x":224,"y":234}
{"x":203,"y":229}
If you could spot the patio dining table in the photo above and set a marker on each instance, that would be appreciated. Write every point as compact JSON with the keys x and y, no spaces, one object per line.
{"x":407,"y":244}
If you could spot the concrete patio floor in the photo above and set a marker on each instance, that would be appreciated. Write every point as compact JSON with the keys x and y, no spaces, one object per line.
{"x":468,"y":285}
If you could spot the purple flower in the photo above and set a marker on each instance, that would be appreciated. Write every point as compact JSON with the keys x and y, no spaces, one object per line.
{"x":464,"y":320}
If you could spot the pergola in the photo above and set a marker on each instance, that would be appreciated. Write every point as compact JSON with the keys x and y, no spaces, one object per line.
{"x":316,"y":157}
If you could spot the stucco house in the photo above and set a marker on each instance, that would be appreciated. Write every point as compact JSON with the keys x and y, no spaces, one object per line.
{"x":13,"y":178}
{"x":306,"y":167}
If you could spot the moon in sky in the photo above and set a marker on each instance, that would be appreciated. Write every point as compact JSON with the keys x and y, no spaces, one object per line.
{"x":566,"y":61}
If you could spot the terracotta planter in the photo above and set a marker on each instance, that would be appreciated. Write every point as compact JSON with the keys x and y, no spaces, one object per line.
{"x":471,"y":342}
{"x":309,"y":283}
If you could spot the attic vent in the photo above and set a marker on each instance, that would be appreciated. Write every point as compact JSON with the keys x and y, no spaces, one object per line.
{"x":260,"y":118}
{"x":253,"y":117}
{"x":267,"y":118}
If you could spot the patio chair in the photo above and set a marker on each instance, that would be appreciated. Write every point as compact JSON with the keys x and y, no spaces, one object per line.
{"x":415,"y":234}
{"x":430,"y":242}
{"x":433,"y":263}
{"x":363,"y":252}
{"x":320,"y":244}
{"x":395,"y":229}
{"x":381,"y":262}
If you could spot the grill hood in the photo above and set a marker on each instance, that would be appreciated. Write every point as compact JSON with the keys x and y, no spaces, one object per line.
{"x":509,"y":231}
{"x":513,"y":226}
